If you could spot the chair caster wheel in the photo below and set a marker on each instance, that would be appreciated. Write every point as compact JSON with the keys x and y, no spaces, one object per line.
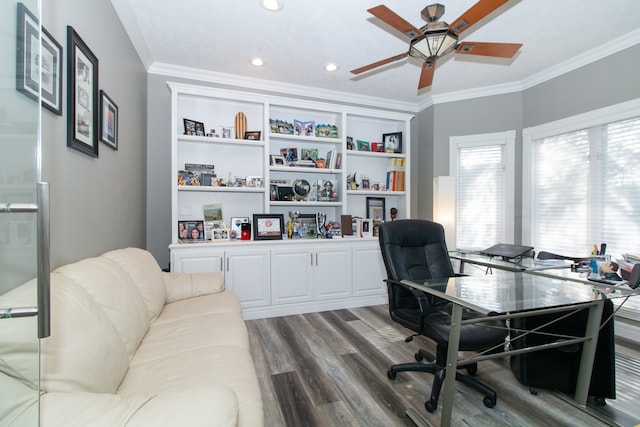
{"x":600,"y":401}
{"x":419,"y":357}
{"x":391,"y":374}
{"x":533,"y":391}
{"x":489,"y":402}
{"x":430,"y":406}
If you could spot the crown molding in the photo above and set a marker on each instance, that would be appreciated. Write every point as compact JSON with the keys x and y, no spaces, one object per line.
{"x":273,"y":86}
{"x":131,"y":27}
{"x":571,"y":64}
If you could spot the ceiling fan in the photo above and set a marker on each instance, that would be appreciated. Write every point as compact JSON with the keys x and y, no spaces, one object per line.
{"x":437,"y":38}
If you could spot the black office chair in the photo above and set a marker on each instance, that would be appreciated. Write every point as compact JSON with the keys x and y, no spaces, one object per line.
{"x":416,"y":250}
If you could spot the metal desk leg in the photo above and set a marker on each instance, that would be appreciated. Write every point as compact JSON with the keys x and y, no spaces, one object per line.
{"x":449,"y":385}
{"x":588,"y":353}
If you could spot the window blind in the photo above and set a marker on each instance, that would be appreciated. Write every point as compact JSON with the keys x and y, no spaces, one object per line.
{"x":480,"y":196}
{"x":586,"y":190}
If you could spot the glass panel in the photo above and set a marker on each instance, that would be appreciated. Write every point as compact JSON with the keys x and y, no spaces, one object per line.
{"x":19,"y":172}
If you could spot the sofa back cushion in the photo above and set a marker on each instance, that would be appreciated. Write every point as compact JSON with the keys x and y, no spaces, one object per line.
{"x":113,"y":289}
{"x":145,"y":273}
{"x":85,"y":352}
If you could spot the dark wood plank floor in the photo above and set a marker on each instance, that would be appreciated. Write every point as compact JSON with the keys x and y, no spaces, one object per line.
{"x":329,"y":369}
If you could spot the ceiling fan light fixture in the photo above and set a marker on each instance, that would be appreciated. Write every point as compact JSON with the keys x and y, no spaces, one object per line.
{"x":433,"y":44}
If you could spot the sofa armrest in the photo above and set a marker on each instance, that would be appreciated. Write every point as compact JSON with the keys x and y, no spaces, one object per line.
{"x":215,"y":405}
{"x":188,"y":285}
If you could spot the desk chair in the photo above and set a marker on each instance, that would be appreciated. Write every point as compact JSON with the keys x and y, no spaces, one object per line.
{"x":416,"y":250}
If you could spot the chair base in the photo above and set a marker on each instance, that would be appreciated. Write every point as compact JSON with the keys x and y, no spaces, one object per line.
{"x":490,"y":397}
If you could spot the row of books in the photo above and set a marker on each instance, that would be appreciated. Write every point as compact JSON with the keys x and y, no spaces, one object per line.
{"x":333,"y":160}
{"x":396,"y":174}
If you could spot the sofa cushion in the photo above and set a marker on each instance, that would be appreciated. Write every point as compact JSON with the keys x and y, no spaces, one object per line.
{"x":188,"y":285}
{"x":84,"y":351}
{"x":145,"y":273}
{"x":112,"y":288}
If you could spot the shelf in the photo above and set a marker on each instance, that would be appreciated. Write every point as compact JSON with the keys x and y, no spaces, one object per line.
{"x":227,"y":141}
{"x":276,"y":203}
{"x":211,"y":189}
{"x":374,"y":154}
{"x":374,"y":193}
{"x":300,"y":138}
{"x":293,"y":169}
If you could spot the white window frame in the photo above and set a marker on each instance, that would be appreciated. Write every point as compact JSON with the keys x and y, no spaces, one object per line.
{"x":506,"y":138}
{"x":613,"y":113}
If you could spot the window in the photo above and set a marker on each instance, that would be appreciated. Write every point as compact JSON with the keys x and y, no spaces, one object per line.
{"x":483,"y":167}
{"x":582,"y":183}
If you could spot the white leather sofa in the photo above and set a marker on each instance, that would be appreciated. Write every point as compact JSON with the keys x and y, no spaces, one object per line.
{"x":130,"y":345}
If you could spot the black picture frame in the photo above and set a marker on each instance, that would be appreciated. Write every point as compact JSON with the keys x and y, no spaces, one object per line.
{"x":376,"y":208}
{"x":392,"y":142}
{"x":192,"y":127}
{"x":268,"y":226}
{"x":253,"y":135}
{"x":188,"y":227}
{"x":30,"y":58}
{"x":83,"y":111}
{"x":108,"y":121}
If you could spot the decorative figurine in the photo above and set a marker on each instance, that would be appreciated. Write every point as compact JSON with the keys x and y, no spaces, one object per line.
{"x":394,"y":213}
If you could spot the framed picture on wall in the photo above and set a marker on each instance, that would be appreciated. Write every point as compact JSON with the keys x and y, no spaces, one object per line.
{"x":82,"y":95}
{"x":108,"y":121}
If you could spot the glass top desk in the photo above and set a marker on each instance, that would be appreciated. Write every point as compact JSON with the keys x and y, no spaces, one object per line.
{"x":518,"y":295}
{"x":521,"y":264}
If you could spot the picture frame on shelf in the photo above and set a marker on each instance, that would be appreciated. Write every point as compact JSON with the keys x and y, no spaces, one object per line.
{"x":377,"y":147}
{"x":108,"y":121}
{"x":236,"y":227}
{"x":220,"y":234}
{"x":227,"y":132}
{"x":191,"y":231}
{"x":376,"y":208}
{"x":285,"y":194}
{"x":350,"y":144}
{"x":290,"y":155}
{"x":268,"y":226}
{"x":253,"y":135}
{"x":308,"y":226}
{"x":346,"y":225}
{"x":82,"y":93}
{"x":366,"y":184}
{"x":254,"y":182}
{"x":212,"y":212}
{"x":363,"y":145}
{"x":392,"y":142}
{"x":193,"y":128}
{"x":277,"y":160}
{"x":365,"y":227}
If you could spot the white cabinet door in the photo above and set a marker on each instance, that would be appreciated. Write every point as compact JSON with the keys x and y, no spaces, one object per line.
{"x":332,"y":272}
{"x":368,"y":269}
{"x":291,"y":273}
{"x":247,"y":273}
{"x":197,"y":260}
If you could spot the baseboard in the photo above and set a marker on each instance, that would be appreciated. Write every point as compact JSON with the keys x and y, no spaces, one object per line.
{"x":311,"y":307}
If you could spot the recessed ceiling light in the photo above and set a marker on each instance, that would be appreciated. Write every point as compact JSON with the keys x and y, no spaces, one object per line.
{"x":272,"y":5}
{"x":331,"y":67}
{"x":257,"y":62}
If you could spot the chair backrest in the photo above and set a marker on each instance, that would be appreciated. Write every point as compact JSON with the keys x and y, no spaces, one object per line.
{"x":414,"y":249}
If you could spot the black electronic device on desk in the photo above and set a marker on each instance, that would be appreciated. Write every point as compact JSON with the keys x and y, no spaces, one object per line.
{"x":507,"y":251}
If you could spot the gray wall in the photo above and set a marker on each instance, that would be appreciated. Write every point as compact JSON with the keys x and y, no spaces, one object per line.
{"x":605,"y":82}
{"x":97,"y":204}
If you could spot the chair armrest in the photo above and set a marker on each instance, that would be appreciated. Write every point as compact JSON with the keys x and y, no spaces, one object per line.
{"x":421,"y":298}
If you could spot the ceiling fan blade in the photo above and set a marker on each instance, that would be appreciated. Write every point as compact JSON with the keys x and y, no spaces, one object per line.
{"x":500,"y":50}
{"x":475,"y":14}
{"x":379,"y":63}
{"x":385,"y":14}
{"x":426,"y":75}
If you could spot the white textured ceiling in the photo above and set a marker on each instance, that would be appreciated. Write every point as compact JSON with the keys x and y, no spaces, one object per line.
{"x":295,"y":43}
